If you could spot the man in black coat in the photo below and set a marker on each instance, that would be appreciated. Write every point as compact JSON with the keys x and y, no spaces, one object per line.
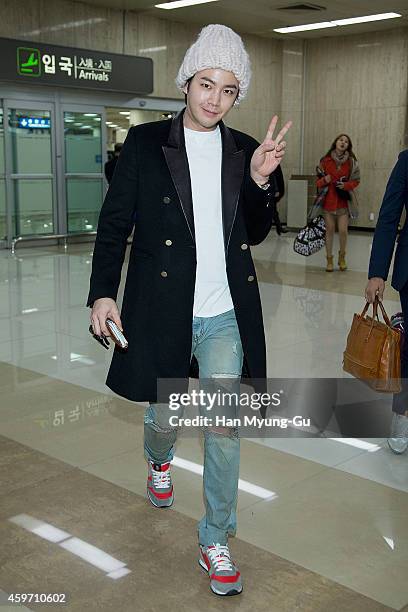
{"x":111,"y":164}
{"x":198,"y":194}
{"x":395,"y":199}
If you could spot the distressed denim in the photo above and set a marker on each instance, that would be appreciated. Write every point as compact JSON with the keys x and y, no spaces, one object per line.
{"x":217,"y":347}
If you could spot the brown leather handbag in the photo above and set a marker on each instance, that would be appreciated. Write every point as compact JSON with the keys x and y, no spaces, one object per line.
{"x":373,"y":351}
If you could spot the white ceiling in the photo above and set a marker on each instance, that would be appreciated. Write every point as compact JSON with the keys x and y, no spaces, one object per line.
{"x":260,"y":17}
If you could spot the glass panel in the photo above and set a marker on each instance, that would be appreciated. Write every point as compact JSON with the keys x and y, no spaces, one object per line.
{"x":83,"y":143}
{"x":30,"y":132}
{"x":84,"y":201}
{"x":3,"y":229}
{"x":2,"y":166}
{"x":33,"y":206}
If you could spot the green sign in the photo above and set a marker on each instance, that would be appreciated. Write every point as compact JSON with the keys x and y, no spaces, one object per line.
{"x":59,"y":66}
{"x":28,"y":61}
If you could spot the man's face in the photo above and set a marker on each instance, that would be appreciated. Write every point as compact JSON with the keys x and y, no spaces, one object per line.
{"x":210,"y":95}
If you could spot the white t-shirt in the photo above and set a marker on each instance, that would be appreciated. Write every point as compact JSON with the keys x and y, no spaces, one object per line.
{"x":204,"y":151}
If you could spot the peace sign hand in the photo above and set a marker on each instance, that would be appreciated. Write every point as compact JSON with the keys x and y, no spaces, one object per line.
{"x":269,"y":154}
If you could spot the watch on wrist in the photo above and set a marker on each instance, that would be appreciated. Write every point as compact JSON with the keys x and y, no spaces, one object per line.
{"x":264,"y":186}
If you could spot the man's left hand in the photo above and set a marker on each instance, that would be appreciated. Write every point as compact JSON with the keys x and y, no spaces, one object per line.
{"x":269,"y":154}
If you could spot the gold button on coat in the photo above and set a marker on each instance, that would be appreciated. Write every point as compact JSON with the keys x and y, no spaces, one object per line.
{"x":166,"y":200}
{"x":244,"y":246}
{"x":163,"y":273}
{"x":251,"y":278}
{"x":168,"y":243}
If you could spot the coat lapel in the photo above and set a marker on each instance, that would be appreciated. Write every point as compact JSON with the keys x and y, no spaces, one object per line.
{"x":177,"y":162}
{"x":232,"y":174}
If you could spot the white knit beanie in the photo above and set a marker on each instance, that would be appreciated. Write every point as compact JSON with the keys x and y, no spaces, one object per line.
{"x":217,"y":46}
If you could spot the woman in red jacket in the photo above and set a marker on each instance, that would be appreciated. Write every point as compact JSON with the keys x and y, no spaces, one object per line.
{"x":341,"y":175}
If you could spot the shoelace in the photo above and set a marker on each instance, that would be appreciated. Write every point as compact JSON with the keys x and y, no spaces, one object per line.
{"x":220,"y":557}
{"x":161,"y":480}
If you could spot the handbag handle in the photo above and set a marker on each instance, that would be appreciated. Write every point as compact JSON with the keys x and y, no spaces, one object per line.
{"x":375,"y":305}
{"x":384,"y":314}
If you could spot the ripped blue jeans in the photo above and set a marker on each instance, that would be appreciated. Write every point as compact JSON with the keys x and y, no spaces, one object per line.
{"x":217,"y":347}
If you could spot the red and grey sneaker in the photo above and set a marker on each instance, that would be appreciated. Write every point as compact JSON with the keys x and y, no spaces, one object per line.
{"x":225,"y":579}
{"x":159,"y":486}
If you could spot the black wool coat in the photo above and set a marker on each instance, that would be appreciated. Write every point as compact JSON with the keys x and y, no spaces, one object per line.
{"x":151,"y":191}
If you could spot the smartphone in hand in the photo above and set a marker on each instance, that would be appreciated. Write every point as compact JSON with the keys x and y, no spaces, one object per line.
{"x":117,"y":335}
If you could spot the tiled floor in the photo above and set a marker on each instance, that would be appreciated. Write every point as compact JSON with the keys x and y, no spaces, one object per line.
{"x":333,"y":534}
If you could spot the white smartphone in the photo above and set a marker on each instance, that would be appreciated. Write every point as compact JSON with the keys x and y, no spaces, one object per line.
{"x":117,"y":335}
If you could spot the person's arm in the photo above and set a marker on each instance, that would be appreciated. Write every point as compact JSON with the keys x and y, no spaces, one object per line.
{"x":323,"y":181}
{"x":396,"y":195}
{"x":114,"y":225}
{"x":350,"y":185}
{"x":259,"y":206}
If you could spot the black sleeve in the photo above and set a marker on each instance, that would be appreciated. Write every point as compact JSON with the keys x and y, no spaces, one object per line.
{"x":259,"y":209}
{"x":115,"y":224}
{"x":396,"y":195}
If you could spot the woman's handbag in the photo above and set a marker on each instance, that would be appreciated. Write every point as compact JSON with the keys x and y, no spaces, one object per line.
{"x":373,"y":351}
{"x":311,"y":238}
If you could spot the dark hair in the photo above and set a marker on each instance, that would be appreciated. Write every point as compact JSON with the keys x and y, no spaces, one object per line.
{"x":349,"y":148}
{"x":188,"y":85}
{"x":118,"y":147}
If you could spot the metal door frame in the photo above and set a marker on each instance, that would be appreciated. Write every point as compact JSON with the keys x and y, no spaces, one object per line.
{"x":10,"y":176}
{"x":64,"y":107}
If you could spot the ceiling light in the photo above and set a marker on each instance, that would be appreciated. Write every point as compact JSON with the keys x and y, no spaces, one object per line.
{"x":90,"y":115}
{"x":182,"y":3}
{"x":366,"y":19}
{"x":303,"y":28}
{"x":124,"y":112}
{"x":153,"y":49}
{"x":339,"y":22}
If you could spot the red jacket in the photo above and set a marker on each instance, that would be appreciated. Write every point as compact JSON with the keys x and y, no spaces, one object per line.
{"x":332,"y":200}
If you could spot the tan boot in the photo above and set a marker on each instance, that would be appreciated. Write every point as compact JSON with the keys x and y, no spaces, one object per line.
{"x":342,"y":261}
{"x":329,"y":267}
